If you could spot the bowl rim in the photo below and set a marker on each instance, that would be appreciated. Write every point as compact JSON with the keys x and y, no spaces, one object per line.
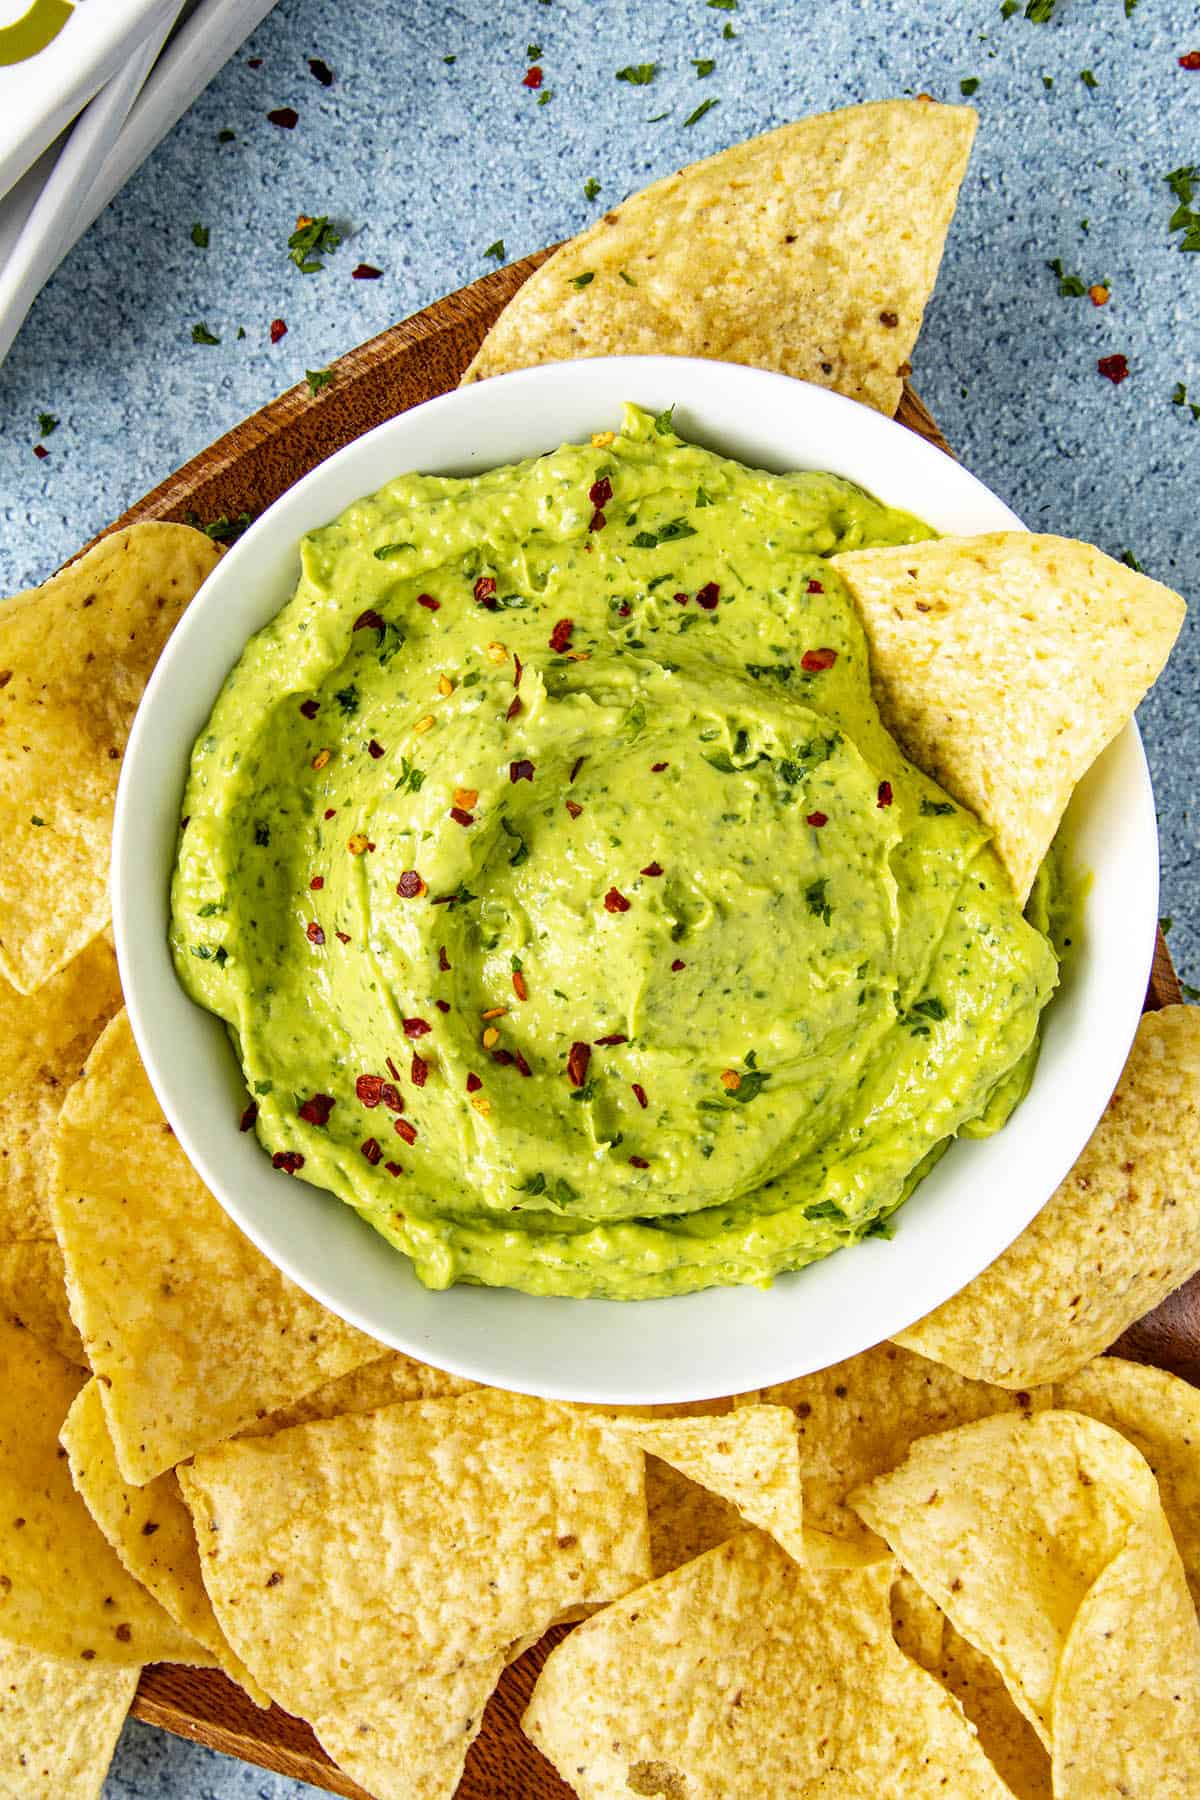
{"x":609,"y":1350}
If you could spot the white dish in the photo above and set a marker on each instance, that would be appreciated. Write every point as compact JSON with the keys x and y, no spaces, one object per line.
{"x":978,"y":1198}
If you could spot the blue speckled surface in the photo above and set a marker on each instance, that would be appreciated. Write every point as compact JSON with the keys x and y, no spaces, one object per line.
{"x":431,"y":161}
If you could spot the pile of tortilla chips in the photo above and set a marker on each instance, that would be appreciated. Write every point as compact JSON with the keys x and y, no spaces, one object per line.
{"x":965,"y":1565}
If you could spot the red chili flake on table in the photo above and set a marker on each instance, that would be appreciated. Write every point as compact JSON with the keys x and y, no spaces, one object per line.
{"x":461,"y":816}
{"x":813,"y":661}
{"x":597,"y":522}
{"x":574,"y":808}
{"x":365,"y":272}
{"x":639,"y":1094}
{"x":414,"y":1028}
{"x":677,"y":965}
{"x":638,"y":1162}
{"x":278,"y":330}
{"x":1190,"y":60}
{"x":814,"y":587}
{"x":519,"y":987}
{"x":313,"y":932}
{"x":409,"y":885}
{"x":520,"y":771}
{"x":615,"y":901}
{"x":473,"y":1083}
{"x":316,"y":1110}
{"x":614,"y":1037}
{"x":518,"y":670}
{"x":375,"y":749}
{"x":248,"y":1117}
{"x":368,"y":1089}
{"x":443,"y":959}
{"x":708,"y":596}
{"x":578,"y":1058}
{"x":390,"y":1095}
{"x":575,"y":768}
{"x":523,"y":1067}
{"x":41,"y":452}
{"x":429,"y":603}
{"x":816,"y":818}
{"x":372,"y":1152}
{"x":420,"y":1070}
{"x":368,"y":621}
{"x":485,"y":591}
{"x":532,"y":78}
{"x":407,"y":1131}
{"x":394,"y":1169}
{"x":600,"y":492}
{"x":254,"y":62}
{"x":320,"y":71}
{"x":657,"y":768}
{"x":653,"y":868}
{"x":288,"y":1160}
{"x":286,"y":117}
{"x":884,"y":796}
{"x":392,"y":1070}
{"x":514,"y":708}
{"x":560,"y":637}
{"x":442,"y":1005}
{"x":1114,"y":368}
{"x":317,"y":882}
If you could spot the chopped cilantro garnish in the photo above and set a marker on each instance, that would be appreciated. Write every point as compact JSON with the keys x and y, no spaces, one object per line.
{"x":450,"y":59}
{"x":225,"y":136}
{"x":515,"y":964}
{"x":1188,"y":991}
{"x":694,"y":118}
{"x":815,"y":896}
{"x":35,"y":820}
{"x":347,"y":699}
{"x":496,"y":250}
{"x":703,"y":65}
{"x":935,"y":809}
{"x":1009,"y":7}
{"x":199,"y":235}
{"x":1088,"y":79}
{"x":1047,"y":82}
{"x":582,"y":281}
{"x":318,"y":379}
{"x":223,"y":530}
{"x":202,"y":335}
{"x":723,"y":5}
{"x":262,"y":834}
{"x":411,"y":777}
{"x":930,"y":1008}
{"x":1165,"y":924}
{"x":1131,"y":562}
{"x":1182,"y":182}
{"x":46,"y":424}
{"x":626,"y":277}
{"x":638,"y":74}
{"x":1040,"y":11}
{"x":728,"y":33}
{"x":532,"y":52}
{"x":969,"y":86}
{"x":545,"y":97}
{"x":1179,"y":398}
{"x":664,"y":422}
{"x":311,"y":241}
{"x":591,"y":188}
{"x":532,"y":1184}
{"x":1069,"y":286}
{"x":1130,"y":7}
{"x":521,"y":853}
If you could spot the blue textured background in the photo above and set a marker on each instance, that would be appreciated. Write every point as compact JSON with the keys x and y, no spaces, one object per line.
{"x":429,"y":161}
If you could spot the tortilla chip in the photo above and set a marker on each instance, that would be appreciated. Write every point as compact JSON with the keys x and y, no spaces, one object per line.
{"x":59,"y":1724}
{"x":859,"y":1417}
{"x":1004,"y":664}
{"x":745,"y":1674}
{"x":44,"y":1043}
{"x":1119,"y":1235}
{"x":193,"y":1333}
{"x":151,"y":1530}
{"x":33,"y":1292}
{"x":1007,"y":1524}
{"x":380,"y":1383}
{"x":748,"y":1457}
{"x":1127,"y":1703}
{"x":1160,"y":1415}
{"x":685,"y":1518}
{"x":62,"y":1590}
{"x":1011,"y":1744}
{"x":812,"y":250}
{"x":345,"y":1556}
{"x":75,"y":655}
{"x":412,"y":1743}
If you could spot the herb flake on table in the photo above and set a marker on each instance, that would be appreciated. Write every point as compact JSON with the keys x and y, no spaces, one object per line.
{"x":1040,"y":11}
{"x":1070,"y":287}
{"x":638,"y":74}
{"x":1088,"y":79}
{"x":202,"y":335}
{"x":1182,"y":183}
{"x":199,"y":236}
{"x":694,"y":118}
{"x":46,"y":424}
{"x":591,"y":188}
{"x":318,"y":379}
{"x":1178,"y":398}
{"x":703,"y":65}
{"x":968,"y":86}
{"x":312,"y":239}
{"x":496,"y":250}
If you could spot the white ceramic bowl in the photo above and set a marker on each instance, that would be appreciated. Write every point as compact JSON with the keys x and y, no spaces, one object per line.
{"x":964,"y":1213}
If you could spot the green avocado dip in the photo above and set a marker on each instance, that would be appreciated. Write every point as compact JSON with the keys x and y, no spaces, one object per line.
{"x":574,"y":916}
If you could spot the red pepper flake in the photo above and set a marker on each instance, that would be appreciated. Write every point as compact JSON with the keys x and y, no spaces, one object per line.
{"x":638,"y":1162}
{"x":461,"y":816}
{"x":429,"y":603}
{"x":1114,"y":368}
{"x":410,"y":885}
{"x":41,"y":452}
{"x":394,"y":1169}
{"x":560,"y":637}
{"x":578,"y":1058}
{"x":372,"y":1152}
{"x":815,"y":587}
{"x":532,"y":78}
{"x":392,"y":1070}
{"x":248,"y":1117}
{"x":420,"y":1070}
{"x":288,"y":1160}
{"x":708,"y":596}
{"x":375,"y":749}
{"x":310,"y":708}
{"x":520,"y":771}
{"x":485,"y":592}
{"x":653,"y":868}
{"x":313,"y":932}
{"x":677,"y":965}
{"x":813,"y":661}
{"x":615,"y":901}
{"x":316,"y":1110}
{"x":518,"y":670}
{"x":514,"y":708}
{"x":365,"y":272}
{"x":575,"y":768}
{"x":523,"y":1067}
{"x":1190,"y":60}
{"x":368,"y":1089}
{"x":390,"y":1095}
{"x":681,"y":599}
{"x":657,"y":768}
{"x":278,"y":330}
{"x":574,"y":808}
{"x":368,"y":621}
{"x":473,"y":1083}
{"x":884,"y":796}
{"x":614,"y":1037}
{"x":624,"y":610}
{"x":415,"y":1028}
{"x":639,"y":1094}
{"x":330,"y":812}
{"x":600,"y":492}
{"x":406,"y":1130}
{"x":442,"y":1005}
{"x":504,"y":1057}
{"x":343,"y":937}
{"x":317,"y":882}
{"x":519,"y":987}
{"x":816,"y":818}
{"x":286,"y":117}
{"x":443,"y":959}
{"x":597,"y":522}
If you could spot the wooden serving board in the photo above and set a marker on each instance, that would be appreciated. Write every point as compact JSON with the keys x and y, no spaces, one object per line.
{"x":243,"y":472}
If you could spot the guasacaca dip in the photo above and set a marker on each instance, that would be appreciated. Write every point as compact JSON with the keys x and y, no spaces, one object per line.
{"x":574,"y":916}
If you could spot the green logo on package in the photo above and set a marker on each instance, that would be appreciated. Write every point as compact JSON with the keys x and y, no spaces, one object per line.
{"x":36,"y":28}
